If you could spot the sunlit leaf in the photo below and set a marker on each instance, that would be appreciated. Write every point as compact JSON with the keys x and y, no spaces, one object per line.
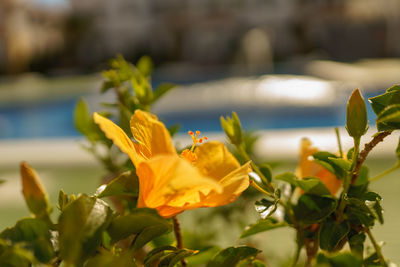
{"x":157,"y":253}
{"x":125,"y":184}
{"x":389,"y":118}
{"x":262,"y":226}
{"x":145,"y":65}
{"x":342,"y":163}
{"x":107,"y":259}
{"x":33,"y":235}
{"x":14,"y":255}
{"x":311,"y":185}
{"x":379,"y":103}
{"x":145,"y":223}
{"x":203,"y":256}
{"x":231,"y":256}
{"x":338,"y":260}
{"x":176,"y":256}
{"x":81,"y":224}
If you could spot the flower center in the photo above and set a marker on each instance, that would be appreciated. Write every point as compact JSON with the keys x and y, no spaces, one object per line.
{"x":189,"y":154}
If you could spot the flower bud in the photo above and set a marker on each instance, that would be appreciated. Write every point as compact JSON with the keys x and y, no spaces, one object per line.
{"x":356,"y":119}
{"x":35,"y":196}
{"x":232,"y":128}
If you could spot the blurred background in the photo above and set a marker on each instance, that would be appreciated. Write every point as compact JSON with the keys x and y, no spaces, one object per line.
{"x":286,"y":67}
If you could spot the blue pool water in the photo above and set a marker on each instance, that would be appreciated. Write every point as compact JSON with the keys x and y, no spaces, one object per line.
{"x":55,"y":119}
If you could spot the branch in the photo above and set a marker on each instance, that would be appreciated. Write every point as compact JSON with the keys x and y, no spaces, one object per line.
{"x":363,"y":154}
{"x":178,"y":236}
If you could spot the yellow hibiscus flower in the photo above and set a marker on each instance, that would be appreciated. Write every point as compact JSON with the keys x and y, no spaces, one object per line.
{"x":307,"y":167}
{"x":204,"y":176}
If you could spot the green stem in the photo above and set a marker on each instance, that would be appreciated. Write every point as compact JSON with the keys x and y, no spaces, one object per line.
{"x":348,"y":180}
{"x":259,"y":188}
{"x":378,"y":137}
{"x":339,"y":142}
{"x":296,"y":255}
{"x":376,"y":246}
{"x":382,"y":174}
{"x":255,"y":168}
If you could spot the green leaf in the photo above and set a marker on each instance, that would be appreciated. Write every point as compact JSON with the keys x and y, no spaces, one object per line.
{"x":107,"y":259}
{"x":125,"y":184}
{"x":379,"y":103}
{"x":364,"y":207}
{"x":14,"y":255}
{"x":266,"y":207}
{"x":62,"y":200}
{"x":142,"y":89}
{"x":376,"y":209}
{"x":84,"y":121}
{"x":148,"y":234}
{"x":125,"y":116}
{"x":161,"y":90}
{"x":262,"y":226}
{"x":389,"y":118}
{"x":358,"y":212}
{"x":233,"y":255}
{"x":156,"y":254}
{"x":398,"y":150}
{"x":232,"y":128}
{"x":327,"y":166}
{"x":173,"y":129}
{"x":363,"y":176}
{"x":311,"y":209}
{"x":174,"y":257}
{"x":350,"y":153}
{"x":145,"y":223}
{"x":338,"y":260}
{"x":82,"y":117}
{"x":145,"y":65}
{"x":81,"y":225}
{"x":203,"y":257}
{"x":311,"y":185}
{"x":385,"y":107}
{"x":34,"y":235}
{"x":287,"y":177}
{"x":107,"y":85}
{"x":342,"y":163}
{"x":356,"y":243}
{"x":266,"y":171}
{"x":356,"y":116}
{"x":331,"y":233}
{"x":324,"y":159}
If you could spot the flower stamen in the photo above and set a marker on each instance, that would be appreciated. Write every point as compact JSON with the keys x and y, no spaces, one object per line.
{"x":189,"y":153}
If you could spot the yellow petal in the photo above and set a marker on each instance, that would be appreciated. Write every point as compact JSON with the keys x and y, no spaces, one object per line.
{"x":118,"y":136}
{"x":168,"y":212}
{"x":214,"y":160}
{"x":307,"y":167}
{"x":152,"y":136}
{"x":233,"y":185}
{"x":168,"y":180}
